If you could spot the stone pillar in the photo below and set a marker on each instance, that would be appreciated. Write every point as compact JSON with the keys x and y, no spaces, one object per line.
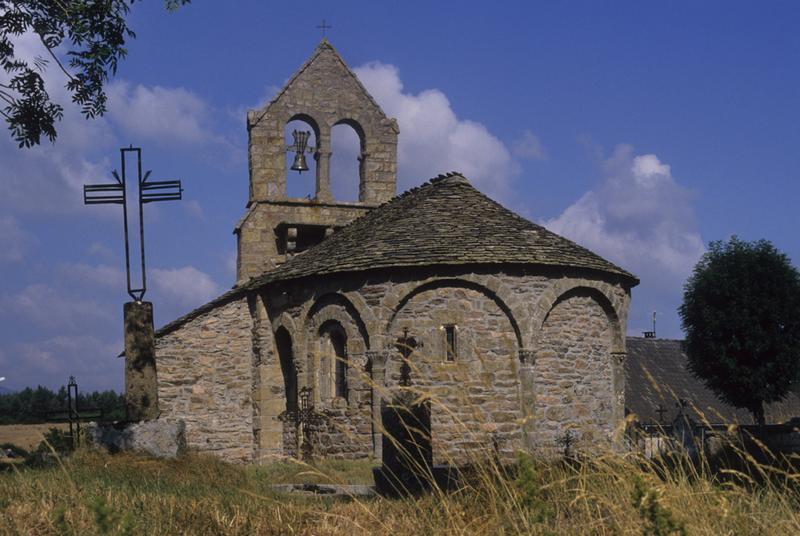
{"x":527,"y":385}
{"x":378,"y":360}
{"x":141,"y":385}
{"x":618,"y":392}
{"x":323,"y":157}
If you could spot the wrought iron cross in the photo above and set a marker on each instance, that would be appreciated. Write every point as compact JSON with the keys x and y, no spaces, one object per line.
{"x":661,"y":411}
{"x":324,"y":27}
{"x":146,"y":192}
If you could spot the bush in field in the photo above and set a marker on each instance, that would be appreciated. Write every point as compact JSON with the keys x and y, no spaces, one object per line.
{"x":56,"y":443}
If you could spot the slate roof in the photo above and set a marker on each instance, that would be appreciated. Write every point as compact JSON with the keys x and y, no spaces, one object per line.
{"x":446,"y":221}
{"x":656,"y":373}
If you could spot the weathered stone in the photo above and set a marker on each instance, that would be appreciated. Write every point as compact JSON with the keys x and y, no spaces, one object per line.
{"x":163,"y":439}
{"x":141,"y":384}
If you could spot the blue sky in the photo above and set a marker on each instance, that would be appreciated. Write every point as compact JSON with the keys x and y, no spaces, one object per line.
{"x":642,"y":130}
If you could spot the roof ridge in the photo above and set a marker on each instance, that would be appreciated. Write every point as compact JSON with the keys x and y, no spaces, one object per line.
{"x":323,"y":45}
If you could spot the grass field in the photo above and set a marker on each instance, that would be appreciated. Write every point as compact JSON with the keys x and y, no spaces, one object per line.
{"x":27,"y":436}
{"x":94,"y":493}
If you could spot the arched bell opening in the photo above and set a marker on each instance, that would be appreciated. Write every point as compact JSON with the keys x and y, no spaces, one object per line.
{"x":301,"y":135}
{"x":347,"y":158}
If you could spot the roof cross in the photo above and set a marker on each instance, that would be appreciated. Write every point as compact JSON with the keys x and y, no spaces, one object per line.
{"x":145,"y":192}
{"x":324,"y":26}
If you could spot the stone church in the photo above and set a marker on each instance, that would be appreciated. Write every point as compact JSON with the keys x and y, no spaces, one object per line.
{"x":515,"y":335}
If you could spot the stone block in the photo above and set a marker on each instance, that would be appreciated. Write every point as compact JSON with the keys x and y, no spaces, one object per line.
{"x":158,"y":438}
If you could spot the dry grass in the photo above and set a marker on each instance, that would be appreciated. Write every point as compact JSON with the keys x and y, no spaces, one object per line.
{"x":93,"y":493}
{"x":27,"y":436}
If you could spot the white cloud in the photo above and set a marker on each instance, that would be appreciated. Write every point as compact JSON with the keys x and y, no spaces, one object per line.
{"x":13,"y":240}
{"x":170,"y":115}
{"x":187,"y":286}
{"x":101,"y":250}
{"x":434,"y":140}
{"x":529,"y":146}
{"x":49,"y":308}
{"x":101,"y":275}
{"x":53,"y":360}
{"x":640,"y":217}
{"x":194,"y":209}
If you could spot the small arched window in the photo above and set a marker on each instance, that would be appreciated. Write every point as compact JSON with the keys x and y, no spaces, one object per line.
{"x":333,"y":362}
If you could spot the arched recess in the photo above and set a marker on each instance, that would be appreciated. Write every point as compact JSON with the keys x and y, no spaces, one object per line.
{"x":283,"y":345}
{"x":302,"y":185}
{"x":577,"y":383}
{"x":350,"y":334}
{"x":355,"y":306}
{"x":348,"y":152}
{"x":457,"y":283}
{"x":603,"y":293}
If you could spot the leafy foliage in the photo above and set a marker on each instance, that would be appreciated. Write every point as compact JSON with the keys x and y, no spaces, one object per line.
{"x":33,"y":405}
{"x":95,"y":32}
{"x":741,"y":315}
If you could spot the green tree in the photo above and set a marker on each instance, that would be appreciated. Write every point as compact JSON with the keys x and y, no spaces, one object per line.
{"x":741,"y":316}
{"x":93,"y":33}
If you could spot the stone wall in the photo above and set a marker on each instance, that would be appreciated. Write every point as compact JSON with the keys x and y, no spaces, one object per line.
{"x":205,"y":378}
{"x":501,"y":391}
{"x":573,"y":375}
{"x":475,"y":401}
{"x":538,"y":353}
{"x":260,"y":240}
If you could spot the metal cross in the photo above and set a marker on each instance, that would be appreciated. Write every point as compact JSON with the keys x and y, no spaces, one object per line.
{"x":304,"y":418}
{"x":661,"y":411}
{"x":324,"y":27}
{"x":146,"y":192}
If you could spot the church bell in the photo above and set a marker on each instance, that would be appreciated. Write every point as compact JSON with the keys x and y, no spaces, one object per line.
{"x":300,"y":147}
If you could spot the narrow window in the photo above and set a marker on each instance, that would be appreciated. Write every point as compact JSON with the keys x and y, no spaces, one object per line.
{"x":451,"y":343}
{"x":340,"y":365}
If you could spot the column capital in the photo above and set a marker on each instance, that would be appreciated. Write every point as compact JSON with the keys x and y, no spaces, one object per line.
{"x":619,"y":357}
{"x":527,"y":356}
{"x":377,"y":357}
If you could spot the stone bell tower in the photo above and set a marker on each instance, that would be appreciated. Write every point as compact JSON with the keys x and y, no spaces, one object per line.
{"x":323,"y":93}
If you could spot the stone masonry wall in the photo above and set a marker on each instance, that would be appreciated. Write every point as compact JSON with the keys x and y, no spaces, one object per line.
{"x":205,"y":378}
{"x":475,"y":402}
{"x":509,"y":324}
{"x":573,"y":375}
{"x":257,"y":240}
{"x":535,"y":357}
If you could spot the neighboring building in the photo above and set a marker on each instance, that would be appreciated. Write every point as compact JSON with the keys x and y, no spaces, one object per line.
{"x":516,"y":334}
{"x":658,"y":382}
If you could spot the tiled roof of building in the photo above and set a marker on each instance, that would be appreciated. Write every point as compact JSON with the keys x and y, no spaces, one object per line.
{"x":443,"y":222}
{"x":657,"y":375}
